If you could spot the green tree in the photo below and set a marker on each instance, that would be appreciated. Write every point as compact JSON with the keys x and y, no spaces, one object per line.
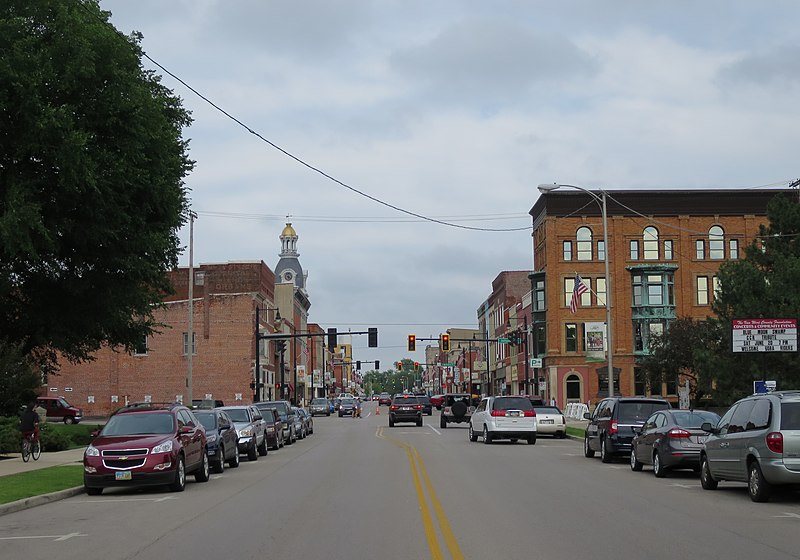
{"x":18,"y":380}
{"x":763,"y":285}
{"x":92,"y":164}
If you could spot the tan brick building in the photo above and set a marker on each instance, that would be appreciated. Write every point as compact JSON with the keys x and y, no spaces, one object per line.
{"x":665,"y":248}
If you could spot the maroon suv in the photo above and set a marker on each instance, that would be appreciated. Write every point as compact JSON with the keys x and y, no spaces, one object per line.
{"x":147,"y":444}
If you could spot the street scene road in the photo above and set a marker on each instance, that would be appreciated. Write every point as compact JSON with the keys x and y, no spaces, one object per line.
{"x":359,"y":489}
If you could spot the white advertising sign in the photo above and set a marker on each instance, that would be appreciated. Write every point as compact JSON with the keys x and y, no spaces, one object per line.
{"x":764,"y":335}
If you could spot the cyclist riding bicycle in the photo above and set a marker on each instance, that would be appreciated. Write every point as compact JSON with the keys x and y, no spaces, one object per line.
{"x":30,"y":423}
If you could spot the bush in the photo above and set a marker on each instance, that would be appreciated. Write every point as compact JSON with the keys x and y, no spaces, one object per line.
{"x":10,"y":436}
{"x":53,"y":439}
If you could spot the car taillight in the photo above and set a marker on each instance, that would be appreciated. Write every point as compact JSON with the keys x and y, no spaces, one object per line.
{"x":530,"y":414}
{"x":498,"y":413}
{"x":418,"y":407}
{"x":775,"y":442}
{"x":613,"y":429}
{"x":393,"y":407}
{"x":677,"y":433}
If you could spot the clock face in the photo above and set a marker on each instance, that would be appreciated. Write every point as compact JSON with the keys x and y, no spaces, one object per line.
{"x":287,"y":276}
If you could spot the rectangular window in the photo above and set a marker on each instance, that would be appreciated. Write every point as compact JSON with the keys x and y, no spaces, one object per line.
{"x":539,"y":296}
{"x":702,"y":290}
{"x":541,"y":340}
{"x":638,"y":337}
{"x":668,"y":250}
{"x":639,"y":382}
{"x":601,"y":250}
{"x":567,"y":250}
{"x":569,"y":286}
{"x":584,"y":250}
{"x":186,"y":344}
{"x":637,"y":290}
{"x":141,"y":348}
{"x":671,"y":385}
{"x":650,"y":248}
{"x":700,"y":249}
{"x":571,"y":337}
{"x":655,"y":290}
{"x":586,"y":297}
{"x":600,"y":288}
{"x":634,"y":250}
{"x":734,"y":249}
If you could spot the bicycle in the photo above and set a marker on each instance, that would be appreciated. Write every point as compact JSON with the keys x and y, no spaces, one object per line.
{"x":31,"y":448}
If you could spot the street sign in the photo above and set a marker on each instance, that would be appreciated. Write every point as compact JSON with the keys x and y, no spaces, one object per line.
{"x":536,"y":362}
{"x":763,"y":387}
{"x":448,"y":365}
{"x":764,"y":335}
{"x":503,"y":340}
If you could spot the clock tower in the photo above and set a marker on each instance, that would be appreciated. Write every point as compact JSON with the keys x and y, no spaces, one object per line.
{"x":288,"y":269}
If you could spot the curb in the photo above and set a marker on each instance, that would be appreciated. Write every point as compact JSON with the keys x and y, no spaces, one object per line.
{"x":33,"y":501}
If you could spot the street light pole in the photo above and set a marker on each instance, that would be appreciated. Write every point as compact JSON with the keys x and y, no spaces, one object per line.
{"x":601,"y":201}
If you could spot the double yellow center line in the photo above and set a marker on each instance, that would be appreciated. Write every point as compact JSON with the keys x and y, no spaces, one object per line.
{"x":420,"y":475}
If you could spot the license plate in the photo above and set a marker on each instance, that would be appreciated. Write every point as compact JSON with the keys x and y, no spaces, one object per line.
{"x":123,"y":475}
{"x":546,"y":422}
{"x":406,"y":408}
{"x":515,"y":413}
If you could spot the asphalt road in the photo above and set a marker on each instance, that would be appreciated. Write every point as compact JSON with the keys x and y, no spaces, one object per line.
{"x":359,"y":489}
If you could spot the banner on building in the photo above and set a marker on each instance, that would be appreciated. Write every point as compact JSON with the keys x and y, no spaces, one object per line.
{"x":317,"y":378}
{"x":301,"y":374}
{"x":595,"y":341}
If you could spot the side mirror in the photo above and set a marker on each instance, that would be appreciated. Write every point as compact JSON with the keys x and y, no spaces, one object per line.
{"x":186,"y":430}
{"x":637,"y":431}
{"x":707,"y":427}
{"x":587,"y":415}
{"x":257,"y":417}
{"x":94,"y":433}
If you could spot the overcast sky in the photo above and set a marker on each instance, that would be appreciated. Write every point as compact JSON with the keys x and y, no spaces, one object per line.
{"x":456,"y":110}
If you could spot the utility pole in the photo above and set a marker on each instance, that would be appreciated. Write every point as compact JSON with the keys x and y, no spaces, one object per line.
{"x":190,"y":334}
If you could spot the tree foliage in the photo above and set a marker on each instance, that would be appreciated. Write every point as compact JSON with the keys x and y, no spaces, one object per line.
{"x":92,"y":163}
{"x":18,"y":380}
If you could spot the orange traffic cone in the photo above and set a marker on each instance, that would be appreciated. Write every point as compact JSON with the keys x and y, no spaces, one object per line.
{"x":378,"y":410}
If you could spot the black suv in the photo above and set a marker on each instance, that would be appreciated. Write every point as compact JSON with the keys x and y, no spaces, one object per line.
{"x":456,"y":407}
{"x":405,"y":408}
{"x":611,"y":426}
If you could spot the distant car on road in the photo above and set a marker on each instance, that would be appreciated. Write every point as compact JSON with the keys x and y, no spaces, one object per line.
{"x":405,"y":408}
{"x":437,"y":400}
{"x":60,"y":410}
{"x":611,"y":425}
{"x":456,"y":408}
{"x":346,"y":406}
{"x":384,"y":398}
{"x":319,"y":406}
{"x":223,"y":441}
{"x":503,"y":417}
{"x":252,"y":436}
{"x":425,"y":401}
{"x":550,"y":420}
{"x":287,"y":418}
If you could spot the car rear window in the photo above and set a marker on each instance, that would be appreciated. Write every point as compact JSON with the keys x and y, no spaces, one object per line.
{"x":694,"y":418}
{"x":139,"y":424}
{"x":406,"y":400}
{"x":512,"y":403}
{"x":546,"y":410}
{"x":790,"y":416}
{"x":638,"y":410}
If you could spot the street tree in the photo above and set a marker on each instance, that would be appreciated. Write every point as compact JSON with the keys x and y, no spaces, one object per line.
{"x":92,"y":194}
{"x":763,"y":285}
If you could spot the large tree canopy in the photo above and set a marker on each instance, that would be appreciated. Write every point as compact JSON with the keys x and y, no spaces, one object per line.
{"x":92,"y":163}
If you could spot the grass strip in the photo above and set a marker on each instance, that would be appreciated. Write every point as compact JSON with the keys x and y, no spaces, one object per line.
{"x":18,"y":486}
{"x":577,"y":432}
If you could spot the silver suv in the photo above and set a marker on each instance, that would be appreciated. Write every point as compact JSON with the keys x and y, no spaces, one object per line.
{"x":757,"y":441}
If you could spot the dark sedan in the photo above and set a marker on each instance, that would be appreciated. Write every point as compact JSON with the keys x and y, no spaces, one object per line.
{"x":346,"y":407}
{"x":319,"y":406}
{"x":671,"y":439}
{"x":427,"y":406}
{"x":223,"y":441}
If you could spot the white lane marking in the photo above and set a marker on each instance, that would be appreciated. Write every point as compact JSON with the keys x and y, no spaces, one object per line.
{"x":162,"y":499}
{"x":684,"y":485}
{"x":789,"y":515}
{"x":54,"y":537}
{"x":435,"y":430}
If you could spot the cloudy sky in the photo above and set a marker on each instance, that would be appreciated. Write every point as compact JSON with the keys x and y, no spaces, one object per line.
{"x":456,"y":110}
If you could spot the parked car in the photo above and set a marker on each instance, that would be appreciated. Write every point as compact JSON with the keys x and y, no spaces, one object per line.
{"x":287,"y":418}
{"x":427,"y":407}
{"x":385,"y":398}
{"x":549,"y":420}
{"x":273,"y":426}
{"x":60,"y":410}
{"x":405,"y":408}
{"x":221,"y":437}
{"x":250,"y":426}
{"x":456,"y":408}
{"x":346,"y":406}
{"x":671,"y":439}
{"x":610,"y":429}
{"x":437,"y":400}
{"x":319,"y":406}
{"x":206,"y":404}
{"x":503,"y":417}
{"x":302,"y":428}
{"x":756,"y":441}
{"x":308,"y":421}
{"x":146,"y":444}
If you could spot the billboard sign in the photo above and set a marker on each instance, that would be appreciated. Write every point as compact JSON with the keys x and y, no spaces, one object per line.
{"x":764,"y":335}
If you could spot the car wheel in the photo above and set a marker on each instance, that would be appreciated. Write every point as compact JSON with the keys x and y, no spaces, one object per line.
{"x":277,"y":444}
{"x":658,"y":466}
{"x":93,"y":491}
{"x":69,"y":419}
{"x":757,"y":486}
{"x":204,"y":472}
{"x":562,"y":435}
{"x":472,"y":435}
{"x":487,"y":437}
{"x":635,"y":464}
{"x":234,"y":462}
{"x":391,"y":422}
{"x":219,"y":465}
{"x":532,"y":440}
{"x":706,"y":480}
{"x":587,"y":450}
{"x":419,"y":421}
{"x":442,"y":422}
{"x":605,"y":452}
{"x":340,"y":414}
{"x":179,"y":484}
{"x":252,"y":453}
{"x":262,"y":449}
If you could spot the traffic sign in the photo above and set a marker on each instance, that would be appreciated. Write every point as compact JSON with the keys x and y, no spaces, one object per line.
{"x":764,"y":335}
{"x":536,"y":362}
{"x":503,"y":340}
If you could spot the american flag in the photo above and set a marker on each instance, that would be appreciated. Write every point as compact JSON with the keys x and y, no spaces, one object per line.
{"x":580,"y":288}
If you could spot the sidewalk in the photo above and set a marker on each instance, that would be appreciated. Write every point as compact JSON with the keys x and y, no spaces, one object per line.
{"x":13,"y":464}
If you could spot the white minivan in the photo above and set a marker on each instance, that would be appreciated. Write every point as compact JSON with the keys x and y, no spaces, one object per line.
{"x":505,"y":417}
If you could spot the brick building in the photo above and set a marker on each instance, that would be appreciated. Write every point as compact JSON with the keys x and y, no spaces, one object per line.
{"x":665,"y":248}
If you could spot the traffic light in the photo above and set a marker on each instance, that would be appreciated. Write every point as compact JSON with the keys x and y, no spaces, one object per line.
{"x":372,"y":336}
{"x":444,"y":342}
{"x":331,"y":339}
{"x":377,"y":365}
{"x":399,"y":366}
{"x":416,"y":366}
{"x":412,"y":343}
{"x":358,"y":365}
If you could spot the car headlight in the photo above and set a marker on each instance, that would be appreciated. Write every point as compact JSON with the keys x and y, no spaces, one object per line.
{"x":92,"y":451}
{"x":246,"y":432}
{"x":165,"y":447}
{"x":211,"y":438}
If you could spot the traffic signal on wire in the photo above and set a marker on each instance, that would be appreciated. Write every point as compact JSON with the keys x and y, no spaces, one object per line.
{"x":358,"y":365}
{"x":444,"y":342}
{"x":416,"y":366}
{"x":412,"y":343}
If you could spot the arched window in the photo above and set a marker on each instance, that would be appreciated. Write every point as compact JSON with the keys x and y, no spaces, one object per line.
{"x":573,"y":387}
{"x":650,"y":235}
{"x":584,"y":244}
{"x":716,"y":242}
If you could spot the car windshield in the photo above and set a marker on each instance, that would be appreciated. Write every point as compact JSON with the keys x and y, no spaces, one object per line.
{"x":790,"y":416}
{"x":638,"y":411}
{"x":238,"y":414}
{"x":207,"y":419}
{"x":546,"y":410}
{"x":512,"y":403}
{"x":694,"y":418}
{"x":319,"y":401}
{"x":139,"y":424}
{"x":347,"y":402}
